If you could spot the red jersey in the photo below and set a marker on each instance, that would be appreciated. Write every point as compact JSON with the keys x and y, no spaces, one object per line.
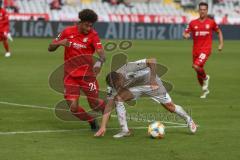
{"x":4,"y":21}
{"x":202,"y":32}
{"x":78,"y":57}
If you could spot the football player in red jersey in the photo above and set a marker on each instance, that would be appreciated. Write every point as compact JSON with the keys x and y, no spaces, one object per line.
{"x":202,"y":32}
{"x":4,"y":29}
{"x":81,"y":41}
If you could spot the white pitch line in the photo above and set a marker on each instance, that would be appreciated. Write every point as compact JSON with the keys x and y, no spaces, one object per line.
{"x":26,"y":105}
{"x":72,"y":130}
{"x":40,"y":131}
{"x":49,"y":108}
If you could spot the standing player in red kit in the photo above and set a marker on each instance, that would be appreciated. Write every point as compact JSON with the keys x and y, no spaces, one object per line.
{"x":202,"y":32}
{"x":81,"y":41}
{"x":4,"y":29}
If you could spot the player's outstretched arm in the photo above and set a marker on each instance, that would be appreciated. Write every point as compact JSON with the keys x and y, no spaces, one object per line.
{"x":102,"y":58}
{"x":52,"y":47}
{"x":55,"y":44}
{"x":105,"y":118}
{"x":220,"y":37}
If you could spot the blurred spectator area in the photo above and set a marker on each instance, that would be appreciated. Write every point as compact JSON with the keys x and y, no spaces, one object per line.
{"x":227,"y":7}
{"x":66,"y":10}
{"x":11,"y":5}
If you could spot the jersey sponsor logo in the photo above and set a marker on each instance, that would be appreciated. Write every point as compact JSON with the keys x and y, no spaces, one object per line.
{"x":202,"y":33}
{"x":195,"y":27}
{"x":77,"y":45}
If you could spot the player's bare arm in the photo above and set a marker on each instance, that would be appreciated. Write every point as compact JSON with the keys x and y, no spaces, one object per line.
{"x":54,"y":45}
{"x":151,"y":63}
{"x":186,"y":35}
{"x":122,"y":96}
{"x":220,"y":37}
{"x":102,"y":58}
{"x":105,"y":118}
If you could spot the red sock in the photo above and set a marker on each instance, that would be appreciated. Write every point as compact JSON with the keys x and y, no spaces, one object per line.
{"x":200,"y":80}
{"x":6,"y":46}
{"x":201,"y":75}
{"x":83,"y":115}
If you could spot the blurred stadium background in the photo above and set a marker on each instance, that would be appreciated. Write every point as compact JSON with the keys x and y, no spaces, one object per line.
{"x":154,"y":19}
{"x":143,"y":11}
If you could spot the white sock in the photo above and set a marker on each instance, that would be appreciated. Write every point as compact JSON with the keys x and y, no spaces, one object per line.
{"x":180,"y":111}
{"x":122,"y":118}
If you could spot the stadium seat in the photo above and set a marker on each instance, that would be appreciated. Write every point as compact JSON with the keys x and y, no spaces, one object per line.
{"x":156,"y":7}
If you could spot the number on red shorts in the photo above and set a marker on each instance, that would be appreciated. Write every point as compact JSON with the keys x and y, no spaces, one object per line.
{"x":202,"y":56}
{"x":92,"y":86}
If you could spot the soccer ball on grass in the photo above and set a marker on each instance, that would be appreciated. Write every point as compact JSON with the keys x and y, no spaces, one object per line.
{"x":156,"y":130}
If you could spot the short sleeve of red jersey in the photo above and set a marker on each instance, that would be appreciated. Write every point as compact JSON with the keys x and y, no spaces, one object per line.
{"x":96,"y":42}
{"x":188,"y":28}
{"x":215,"y":26}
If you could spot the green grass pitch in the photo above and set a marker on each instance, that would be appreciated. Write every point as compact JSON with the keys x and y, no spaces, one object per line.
{"x":24,"y":80}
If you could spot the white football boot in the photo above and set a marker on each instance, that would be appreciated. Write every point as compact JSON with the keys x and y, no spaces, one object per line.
{"x":205,"y":93}
{"x":192,"y":126}
{"x":205,"y":87}
{"x":7,"y":54}
{"x":206,"y":83}
{"x":122,"y":134}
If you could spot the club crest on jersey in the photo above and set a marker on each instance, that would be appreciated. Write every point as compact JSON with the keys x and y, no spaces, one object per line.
{"x":85,"y":39}
{"x":207,"y":26}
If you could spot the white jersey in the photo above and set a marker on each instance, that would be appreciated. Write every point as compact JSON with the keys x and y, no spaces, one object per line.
{"x":137,"y":80}
{"x":135,"y":73}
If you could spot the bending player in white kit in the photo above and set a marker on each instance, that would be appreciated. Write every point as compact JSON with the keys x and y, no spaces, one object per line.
{"x":130,"y":82}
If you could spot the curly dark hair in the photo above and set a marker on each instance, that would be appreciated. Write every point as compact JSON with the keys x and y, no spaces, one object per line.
{"x":87,"y":15}
{"x":111,"y":77}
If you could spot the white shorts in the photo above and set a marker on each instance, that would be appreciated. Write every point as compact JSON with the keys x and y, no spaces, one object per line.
{"x":157,"y":95}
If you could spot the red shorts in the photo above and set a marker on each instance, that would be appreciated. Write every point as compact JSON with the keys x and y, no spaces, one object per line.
{"x":2,"y":36}
{"x":73,"y":85}
{"x":200,"y":59}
